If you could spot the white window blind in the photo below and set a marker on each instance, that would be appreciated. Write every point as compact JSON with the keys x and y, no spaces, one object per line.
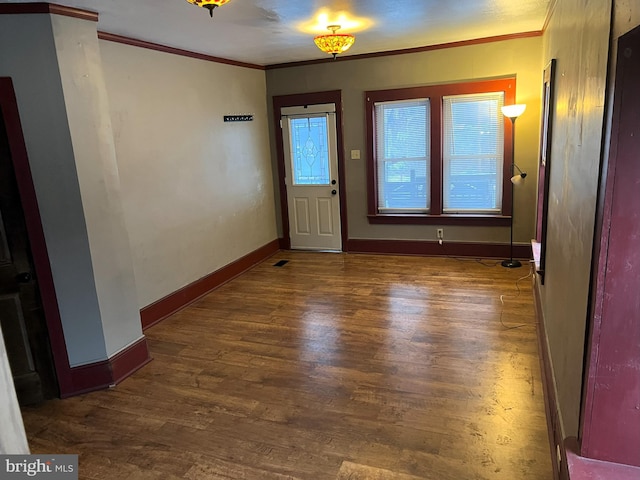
{"x":473,"y":150}
{"x":403,"y":155}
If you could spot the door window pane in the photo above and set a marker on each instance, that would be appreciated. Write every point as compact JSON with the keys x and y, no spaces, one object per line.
{"x":310,"y":150}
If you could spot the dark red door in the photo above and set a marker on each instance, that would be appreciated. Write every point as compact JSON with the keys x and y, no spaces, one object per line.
{"x":611,"y":417}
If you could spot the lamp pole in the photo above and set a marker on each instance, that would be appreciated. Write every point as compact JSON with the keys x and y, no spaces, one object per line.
{"x":512,"y":112}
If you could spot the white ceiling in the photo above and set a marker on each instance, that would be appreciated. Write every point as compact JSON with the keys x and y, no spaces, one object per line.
{"x":267,"y":32}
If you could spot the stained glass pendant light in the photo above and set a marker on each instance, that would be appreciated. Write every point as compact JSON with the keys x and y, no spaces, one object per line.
{"x":334,"y":43}
{"x":208,"y":4}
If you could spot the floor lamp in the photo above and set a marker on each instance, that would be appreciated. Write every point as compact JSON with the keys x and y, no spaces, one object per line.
{"x":513,"y":112}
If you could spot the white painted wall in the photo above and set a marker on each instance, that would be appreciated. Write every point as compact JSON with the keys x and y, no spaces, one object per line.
{"x":197,"y":192}
{"x":89,"y":120}
{"x":13,"y":439}
{"x":55,"y":65}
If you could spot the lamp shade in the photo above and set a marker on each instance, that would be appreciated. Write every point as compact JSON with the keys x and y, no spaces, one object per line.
{"x":518,"y":179}
{"x":208,"y":4}
{"x":334,"y":43}
{"x":513,"y":111}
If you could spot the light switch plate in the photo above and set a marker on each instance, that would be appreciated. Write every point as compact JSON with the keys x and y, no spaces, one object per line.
{"x":355,"y":154}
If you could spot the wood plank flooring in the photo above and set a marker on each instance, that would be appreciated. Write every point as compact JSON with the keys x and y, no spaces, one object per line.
{"x":333,"y":366}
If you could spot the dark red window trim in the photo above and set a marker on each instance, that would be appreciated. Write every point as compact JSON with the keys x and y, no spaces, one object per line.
{"x":435,"y":94}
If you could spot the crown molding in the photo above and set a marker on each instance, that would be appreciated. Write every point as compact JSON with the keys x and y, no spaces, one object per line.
{"x":47,"y":8}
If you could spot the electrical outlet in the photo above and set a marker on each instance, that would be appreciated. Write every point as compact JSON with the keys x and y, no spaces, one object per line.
{"x":440,"y":233}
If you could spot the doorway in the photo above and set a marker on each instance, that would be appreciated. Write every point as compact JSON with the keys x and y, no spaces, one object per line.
{"x":311,"y":176}
{"x":311,"y":168}
{"x":22,"y":316}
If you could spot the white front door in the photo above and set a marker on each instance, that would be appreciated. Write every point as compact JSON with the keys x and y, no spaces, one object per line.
{"x":311,"y":168}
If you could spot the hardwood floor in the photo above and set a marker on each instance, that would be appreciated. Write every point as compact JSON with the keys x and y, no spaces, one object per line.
{"x":333,"y":366}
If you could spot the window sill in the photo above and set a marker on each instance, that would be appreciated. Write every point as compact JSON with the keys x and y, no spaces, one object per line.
{"x":422,"y":219}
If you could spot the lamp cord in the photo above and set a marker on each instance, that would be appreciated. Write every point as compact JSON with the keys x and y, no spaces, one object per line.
{"x":503,"y":296}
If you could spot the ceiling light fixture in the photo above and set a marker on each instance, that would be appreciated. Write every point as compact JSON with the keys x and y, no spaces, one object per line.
{"x":211,"y":5}
{"x":334,"y":43}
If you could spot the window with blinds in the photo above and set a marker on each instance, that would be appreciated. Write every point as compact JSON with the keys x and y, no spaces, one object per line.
{"x":472,"y":153}
{"x":437,"y":154}
{"x":403,"y":155}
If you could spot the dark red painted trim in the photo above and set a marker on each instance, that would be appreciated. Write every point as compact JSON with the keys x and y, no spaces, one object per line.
{"x":111,"y":37}
{"x":427,"y":48}
{"x":371,"y":152}
{"x":342,"y":172}
{"x":101,"y":375}
{"x":581,"y":468}
{"x":432,"y":248}
{"x":436,"y":170}
{"x":462,"y":220}
{"x":549,"y":392}
{"x":436,"y":93}
{"x":130,"y":360}
{"x":284,"y":244}
{"x":610,"y":417}
{"x":9,"y":110}
{"x":89,"y":378}
{"x":47,"y":8}
{"x":278,"y":103}
{"x":316,"y":98}
{"x":165,"y":307}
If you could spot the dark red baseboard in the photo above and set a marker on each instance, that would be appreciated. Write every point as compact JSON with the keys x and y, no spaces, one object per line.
{"x":454,"y":249}
{"x":101,"y":375}
{"x":163,"y":308}
{"x":581,"y":468}
{"x":550,"y":404}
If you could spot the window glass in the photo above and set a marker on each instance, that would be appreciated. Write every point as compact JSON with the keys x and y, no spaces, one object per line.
{"x":403,"y":155}
{"x":473,"y":142}
{"x":309,"y":150}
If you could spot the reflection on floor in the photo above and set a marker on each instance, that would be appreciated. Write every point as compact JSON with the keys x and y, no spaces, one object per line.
{"x":333,"y":366}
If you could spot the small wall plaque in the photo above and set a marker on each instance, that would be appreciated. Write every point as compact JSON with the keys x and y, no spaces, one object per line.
{"x":238,"y":118}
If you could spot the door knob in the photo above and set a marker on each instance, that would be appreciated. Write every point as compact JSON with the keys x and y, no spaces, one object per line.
{"x":24,"y":277}
{"x":333,"y":182}
{"x":333,"y":192}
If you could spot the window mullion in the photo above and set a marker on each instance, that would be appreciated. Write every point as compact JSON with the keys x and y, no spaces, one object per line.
{"x":436,"y":155}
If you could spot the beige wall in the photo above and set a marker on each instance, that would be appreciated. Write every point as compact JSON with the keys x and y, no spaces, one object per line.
{"x":87,"y":111}
{"x":521,"y":57}
{"x":578,"y":38}
{"x":197,"y":192}
{"x":54,"y":62}
{"x":627,"y":16}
